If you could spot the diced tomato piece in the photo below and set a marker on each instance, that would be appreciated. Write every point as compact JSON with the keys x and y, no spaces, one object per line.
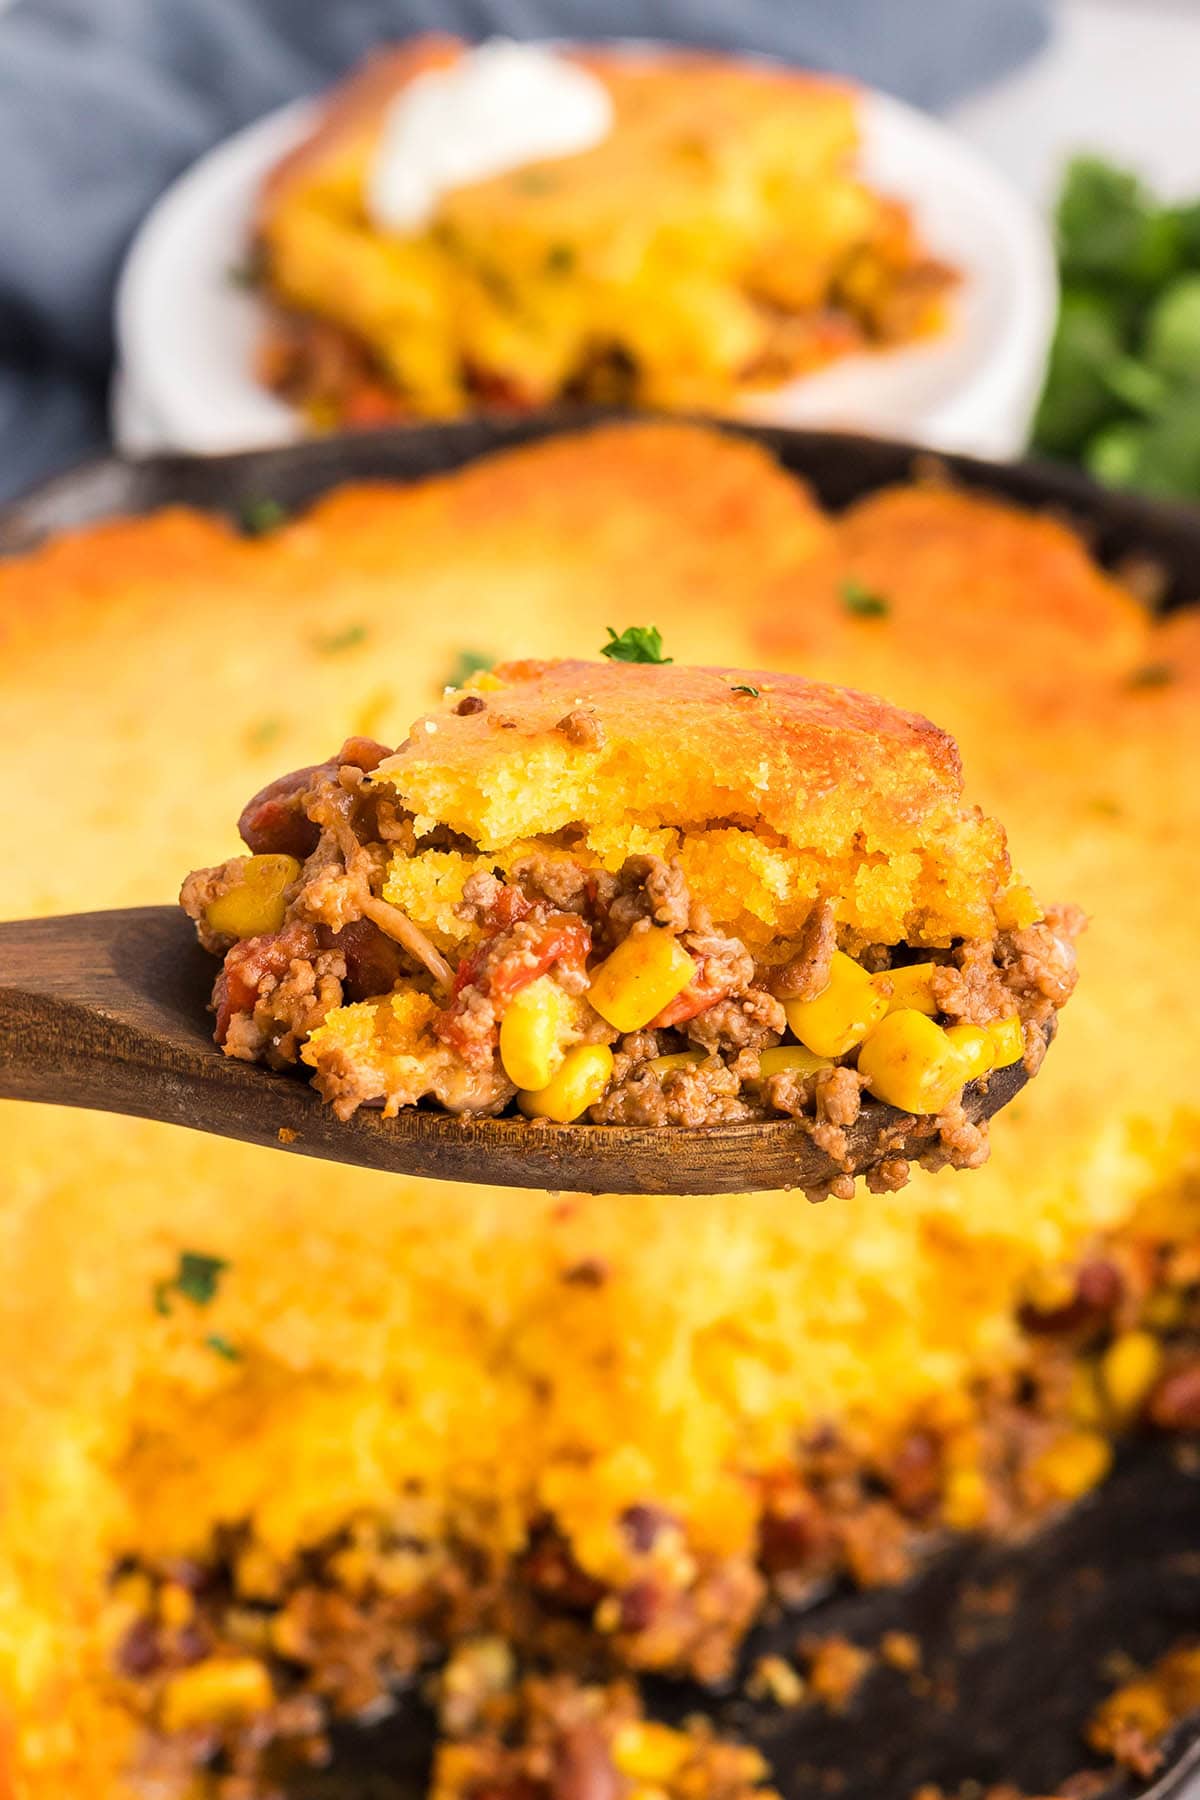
{"x":562,"y":938}
{"x":248,"y":963}
{"x":711,"y":984}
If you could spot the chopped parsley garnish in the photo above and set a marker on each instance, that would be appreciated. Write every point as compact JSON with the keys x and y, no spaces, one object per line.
{"x":243,"y":274}
{"x":263,"y":732}
{"x":860,"y":600}
{"x":222,"y":1347}
{"x":743,"y":687}
{"x":1152,"y":675}
{"x":560,"y":259}
{"x":347,"y":639}
{"x":534,"y":181}
{"x":258,"y":517}
{"x":636,"y":644}
{"x":196,"y":1279}
{"x":466,"y":664}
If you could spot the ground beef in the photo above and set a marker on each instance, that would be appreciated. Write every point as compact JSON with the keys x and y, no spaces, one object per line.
{"x":960,"y":1144}
{"x":806,"y":971}
{"x":705,"y":1093}
{"x":1039,"y":962}
{"x":838,"y":1098}
{"x":273,"y":992}
{"x":969,"y":989}
{"x":566,"y":884}
{"x":751,"y":1021}
{"x":649,"y":888}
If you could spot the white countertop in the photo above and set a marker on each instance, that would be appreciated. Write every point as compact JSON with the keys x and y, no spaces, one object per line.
{"x":1121,"y":77}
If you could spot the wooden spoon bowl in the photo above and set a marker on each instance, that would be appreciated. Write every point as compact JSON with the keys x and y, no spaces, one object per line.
{"x":108,"y":1011}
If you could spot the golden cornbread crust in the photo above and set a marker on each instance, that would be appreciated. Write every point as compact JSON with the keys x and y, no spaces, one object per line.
{"x":632,"y":1430}
{"x":718,"y":239}
{"x":542,"y":896}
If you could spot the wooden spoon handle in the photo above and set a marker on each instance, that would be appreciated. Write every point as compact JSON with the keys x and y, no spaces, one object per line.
{"x":96,"y":1009}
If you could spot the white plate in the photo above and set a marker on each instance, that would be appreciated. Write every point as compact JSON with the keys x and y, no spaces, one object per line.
{"x":186,"y":332}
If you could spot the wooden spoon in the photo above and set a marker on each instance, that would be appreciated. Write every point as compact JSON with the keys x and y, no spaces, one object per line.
{"x":108,"y":1011}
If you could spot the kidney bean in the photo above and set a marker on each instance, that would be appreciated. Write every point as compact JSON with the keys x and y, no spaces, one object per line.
{"x":1175,"y":1402}
{"x":374,"y":961}
{"x":583,"y":1767}
{"x":274,"y":822}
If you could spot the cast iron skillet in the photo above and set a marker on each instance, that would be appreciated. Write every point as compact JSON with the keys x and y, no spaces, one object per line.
{"x":1008,"y":1688}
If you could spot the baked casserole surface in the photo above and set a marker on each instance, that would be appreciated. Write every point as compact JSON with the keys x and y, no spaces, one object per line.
{"x":279,"y":1437}
{"x":720,"y":238}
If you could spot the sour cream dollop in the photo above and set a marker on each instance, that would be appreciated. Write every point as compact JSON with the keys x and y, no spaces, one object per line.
{"x":498,"y":107}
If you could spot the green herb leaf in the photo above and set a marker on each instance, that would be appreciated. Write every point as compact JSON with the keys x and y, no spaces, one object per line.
{"x":264,"y":732}
{"x":1172,"y":339}
{"x":1077,"y":399}
{"x":258,"y":517}
{"x":1152,"y":675}
{"x":466,"y":664}
{"x":347,"y":639}
{"x":222,"y":1347}
{"x":1113,"y":455}
{"x":862,"y":602}
{"x":636,"y":644}
{"x":534,"y":181}
{"x":199,"y":1276}
{"x":1110,"y":228}
{"x":1141,"y":389}
{"x":743,"y":687}
{"x":196,"y":1279}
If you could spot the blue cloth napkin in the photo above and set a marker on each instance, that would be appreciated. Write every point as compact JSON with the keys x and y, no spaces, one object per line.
{"x":104,"y":102}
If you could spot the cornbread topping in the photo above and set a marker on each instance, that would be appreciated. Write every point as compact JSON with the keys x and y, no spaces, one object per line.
{"x":510,"y":227}
{"x":576,"y":1439}
{"x":510,"y":909}
{"x":499,"y":106}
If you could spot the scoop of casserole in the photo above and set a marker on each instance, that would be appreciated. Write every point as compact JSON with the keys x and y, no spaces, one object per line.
{"x":639,"y":893}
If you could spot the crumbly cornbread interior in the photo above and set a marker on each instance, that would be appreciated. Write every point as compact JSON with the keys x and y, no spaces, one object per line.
{"x":719,"y":237}
{"x":464,"y":1363}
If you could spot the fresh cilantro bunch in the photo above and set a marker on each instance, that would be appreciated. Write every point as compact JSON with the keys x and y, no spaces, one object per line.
{"x":1122,"y":393}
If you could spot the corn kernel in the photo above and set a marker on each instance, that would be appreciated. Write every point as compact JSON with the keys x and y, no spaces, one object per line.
{"x":1073,"y":1465}
{"x":678,"y":1059}
{"x":532,"y":1032}
{"x":1008,"y":1041}
{"x":964,"y":1499}
{"x":911,"y":1063}
{"x":257,"y":904}
{"x":842,"y":1013}
{"x":216,"y":1692}
{"x":175,"y":1605}
{"x":643,"y":974}
{"x":974,"y":1044}
{"x":646,"y":1751}
{"x":585,"y":1073}
{"x":1086,"y":1406}
{"x":1129,"y":1368}
{"x":791,"y":1059}
{"x":911,"y":988}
